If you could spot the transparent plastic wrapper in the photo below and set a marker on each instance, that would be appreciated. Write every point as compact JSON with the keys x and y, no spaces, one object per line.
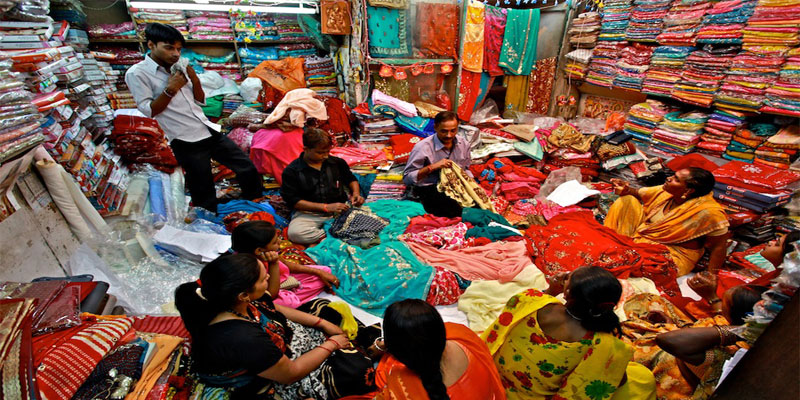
{"x":773,"y":300}
{"x":615,"y":121}
{"x":15,"y":95}
{"x":244,"y":116}
{"x":487,"y":110}
{"x":56,"y":304}
{"x":590,"y":126}
{"x":521,"y":117}
{"x":555,"y":179}
{"x":63,"y":312}
{"x":30,"y":11}
{"x":179,"y":193}
{"x":547,"y":122}
{"x":205,"y":226}
{"x":249,"y":90}
{"x":13,"y":122}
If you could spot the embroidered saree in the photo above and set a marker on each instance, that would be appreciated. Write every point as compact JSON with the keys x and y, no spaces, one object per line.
{"x":459,"y":186}
{"x":376,"y":277}
{"x":494,"y":29}
{"x":388,"y":32}
{"x":533,"y":365}
{"x":691,"y":220}
{"x":519,"y":41}
{"x":540,"y":86}
{"x":437,"y":29}
{"x":473,"y":37}
{"x":480,"y":381}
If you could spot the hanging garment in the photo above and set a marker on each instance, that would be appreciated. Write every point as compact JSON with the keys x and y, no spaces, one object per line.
{"x":459,"y":186}
{"x":494,"y":29}
{"x":388,"y":32}
{"x":518,"y":54}
{"x":468,"y":95}
{"x":474,"y":37}
{"x":517,"y":92}
{"x":540,"y":86}
{"x":437,"y":29}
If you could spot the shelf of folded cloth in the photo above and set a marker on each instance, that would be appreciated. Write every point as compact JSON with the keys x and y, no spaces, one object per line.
{"x":115,"y":40}
{"x":409,"y":61}
{"x":274,"y":41}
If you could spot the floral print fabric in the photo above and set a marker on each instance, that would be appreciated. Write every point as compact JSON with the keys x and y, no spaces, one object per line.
{"x":534,"y":366}
{"x":445,"y":238}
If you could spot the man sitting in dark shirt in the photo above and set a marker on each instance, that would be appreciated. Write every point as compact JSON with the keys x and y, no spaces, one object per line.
{"x":314,"y":187}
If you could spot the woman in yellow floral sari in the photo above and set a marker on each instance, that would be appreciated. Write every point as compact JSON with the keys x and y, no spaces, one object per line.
{"x":682,"y":215}
{"x":546,"y":350}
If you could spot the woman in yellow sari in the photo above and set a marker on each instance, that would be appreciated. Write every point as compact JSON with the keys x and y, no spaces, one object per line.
{"x":546,"y":350}
{"x":682,"y":215}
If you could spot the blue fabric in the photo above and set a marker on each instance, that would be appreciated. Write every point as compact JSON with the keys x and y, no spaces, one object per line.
{"x":365,"y":183}
{"x":422,"y":127}
{"x":250,"y":207}
{"x":157,"y":206}
{"x":388,"y":32}
{"x":381,"y":275}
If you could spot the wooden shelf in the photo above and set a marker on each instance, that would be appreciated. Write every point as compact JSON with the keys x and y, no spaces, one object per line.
{"x":409,"y":61}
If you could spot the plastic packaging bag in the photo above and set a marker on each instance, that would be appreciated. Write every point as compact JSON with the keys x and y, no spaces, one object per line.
{"x":555,"y":179}
{"x":615,"y":121}
{"x":250,"y":89}
{"x":589,"y":126}
{"x":487,"y":110}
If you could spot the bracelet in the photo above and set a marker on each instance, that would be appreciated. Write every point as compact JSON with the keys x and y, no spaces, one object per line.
{"x":325,"y":348}
{"x":319,"y":321}
{"x":167,"y":94}
{"x":325,"y":208}
{"x":375,"y":343}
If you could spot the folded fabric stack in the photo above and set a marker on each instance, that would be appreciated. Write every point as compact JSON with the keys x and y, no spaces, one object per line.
{"x":388,"y":185}
{"x":643,"y":118}
{"x":230,"y":102}
{"x":747,"y":80}
{"x":746,"y":141}
{"x":719,"y":130}
{"x":60,"y":10}
{"x":578,"y":63}
{"x":225,"y":65}
{"x":724,"y":22}
{"x":704,"y":71}
{"x":783,"y":96}
{"x":144,"y":16}
{"x":780,"y":150}
{"x":207,"y":25}
{"x":321,"y":76}
{"x":125,"y":30}
{"x":252,"y":56}
{"x":774,"y":23}
{"x":584,"y":31}
{"x":250,"y":26}
{"x":631,"y":68}
{"x":603,"y":66}
{"x":376,"y":129}
{"x":666,"y":66}
{"x":647,"y":20}
{"x":296,"y":50}
{"x":616,"y":17}
{"x":289,"y":28}
{"x":681,"y":24}
{"x":679,"y":133}
{"x":140,"y":140}
{"x":752,"y":187}
{"x":120,"y":100}
{"x":21,"y":120}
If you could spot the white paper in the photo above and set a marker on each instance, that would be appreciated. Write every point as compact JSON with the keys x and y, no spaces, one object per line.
{"x":570,"y":193}
{"x":730,"y":364}
{"x":449,"y":313}
{"x":193,"y":245}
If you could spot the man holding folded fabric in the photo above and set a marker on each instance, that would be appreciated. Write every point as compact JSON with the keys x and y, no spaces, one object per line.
{"x":432,"y":154}
{"x":170,"y":92}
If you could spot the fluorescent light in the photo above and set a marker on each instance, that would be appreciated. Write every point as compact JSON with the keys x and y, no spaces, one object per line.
{"x":222,"y":7}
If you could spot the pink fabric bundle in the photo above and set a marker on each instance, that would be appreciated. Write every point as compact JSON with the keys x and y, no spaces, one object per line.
{"x":272,"y":150}
{"x":310,"y":286}
{"x":360,"y":157}
{"x":494,"y":261}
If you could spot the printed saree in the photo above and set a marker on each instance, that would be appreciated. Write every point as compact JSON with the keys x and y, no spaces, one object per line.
{"x":459,"y":186}
{"x":494,"y":29}
{"x":473,"y":37}
{"x":388,"y":32}
{"x":479,"y":381}
{"x":533,"y":365}
{"x":576,"y":239}
{"x":691,"y":220}
{"x":376,"y":277}
{"x":540,"y":86}
{"x":518,"y":54}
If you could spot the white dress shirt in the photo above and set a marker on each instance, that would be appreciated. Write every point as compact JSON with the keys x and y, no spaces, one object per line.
{"x":183,"y":118}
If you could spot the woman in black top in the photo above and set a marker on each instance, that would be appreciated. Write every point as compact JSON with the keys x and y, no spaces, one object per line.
{"x":245,"y":345}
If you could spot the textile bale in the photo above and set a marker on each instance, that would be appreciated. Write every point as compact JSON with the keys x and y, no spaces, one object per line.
{"x":272,"y":150}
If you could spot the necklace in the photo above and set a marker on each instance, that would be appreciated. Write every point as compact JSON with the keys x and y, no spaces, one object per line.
{"x":240,"y":315}
{"x":571,"y":315}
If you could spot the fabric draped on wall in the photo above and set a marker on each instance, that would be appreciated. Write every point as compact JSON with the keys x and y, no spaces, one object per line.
{"x":540,"y":85}
{"x":518,"y":53}
{"x":437,"y":29}
{"x":472,"y":59}
{"x":388,"y":32}
{"x":494,"y":29}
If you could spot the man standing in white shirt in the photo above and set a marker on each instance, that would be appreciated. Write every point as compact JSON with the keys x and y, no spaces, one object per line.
{"x":172,"y":95}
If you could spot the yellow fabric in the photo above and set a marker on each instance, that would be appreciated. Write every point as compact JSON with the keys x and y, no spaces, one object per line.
{"x":472,"y":59}
{"x":691,"y":220}
{"x":349,"y":324}
{"x":484,"y":300}
{"x":517,"y":92}
{"x":535,"y":366}
{"x":427,"y":110}
{"x":165,"y":345}
{"x":457,"y":185}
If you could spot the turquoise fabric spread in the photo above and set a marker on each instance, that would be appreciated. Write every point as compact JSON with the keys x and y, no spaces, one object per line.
{"x":388,"y":32}
{"x":374,"y":278}
{"x":518,"y":54}
{"x":478,"y":217}
{"x":759,"y":261}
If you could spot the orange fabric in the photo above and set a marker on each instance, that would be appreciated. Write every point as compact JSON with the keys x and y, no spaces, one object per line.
{"x":480,"y":381}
